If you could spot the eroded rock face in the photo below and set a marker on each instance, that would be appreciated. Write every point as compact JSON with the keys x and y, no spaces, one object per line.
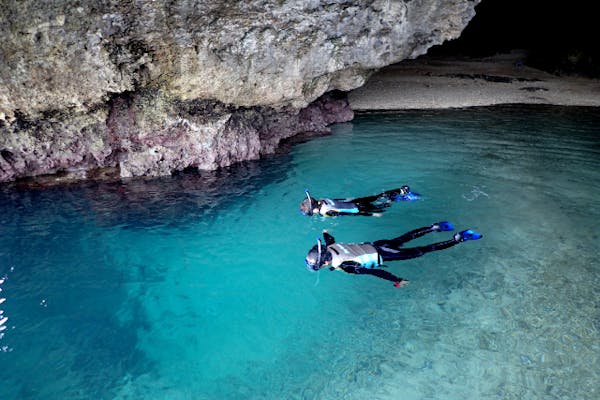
{"x":156,"y":86}
{"x":144,"y":134}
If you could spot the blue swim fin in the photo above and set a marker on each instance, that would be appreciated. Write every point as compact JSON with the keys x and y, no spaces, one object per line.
{"x":443,"y":226}
{"x":410,"y":196}
{"x":469,"y":235}
{"x":397,"y":197}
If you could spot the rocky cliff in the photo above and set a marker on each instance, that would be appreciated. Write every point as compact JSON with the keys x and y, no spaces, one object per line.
{"x":149,"y":87}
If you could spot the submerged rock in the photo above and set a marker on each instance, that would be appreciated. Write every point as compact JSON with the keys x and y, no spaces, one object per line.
{"x":153,"y":87}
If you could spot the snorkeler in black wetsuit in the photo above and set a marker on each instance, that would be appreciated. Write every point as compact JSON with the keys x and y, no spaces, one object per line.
{"x":370,"y":205}
{"x":363,"y":258}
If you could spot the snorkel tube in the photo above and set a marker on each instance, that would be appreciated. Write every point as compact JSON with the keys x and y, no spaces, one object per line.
{"x":306,"y":207}
{"x":319,"y":248}
{"x":318,"y":262}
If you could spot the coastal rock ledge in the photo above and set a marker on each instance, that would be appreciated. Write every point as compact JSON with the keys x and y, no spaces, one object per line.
{"x":151,"y":87}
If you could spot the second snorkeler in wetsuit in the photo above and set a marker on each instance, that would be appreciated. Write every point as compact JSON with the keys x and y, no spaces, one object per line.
{"x":365,"y":258}
{"x":370,"y":205}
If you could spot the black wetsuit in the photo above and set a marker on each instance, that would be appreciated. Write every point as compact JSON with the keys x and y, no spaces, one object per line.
{"x":363,"y":205}
{"x":391,"y":250}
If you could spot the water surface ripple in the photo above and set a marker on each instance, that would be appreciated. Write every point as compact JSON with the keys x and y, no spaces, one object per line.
{"x":194,"y":286}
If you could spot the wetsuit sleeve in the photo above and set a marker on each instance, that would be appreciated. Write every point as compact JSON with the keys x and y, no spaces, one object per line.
{"x":350,"y":266}
{"x":380,"y":274}
{"x":329,"y":240}
{"x":353,"y":267}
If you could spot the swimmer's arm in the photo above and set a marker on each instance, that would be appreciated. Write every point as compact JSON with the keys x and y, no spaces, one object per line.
{"x":349,"y":267}
{"x":398,"y":282}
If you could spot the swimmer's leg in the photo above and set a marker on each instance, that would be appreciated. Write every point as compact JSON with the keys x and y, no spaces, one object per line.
{"x":442,"y":226}
{"x":394,"y":254}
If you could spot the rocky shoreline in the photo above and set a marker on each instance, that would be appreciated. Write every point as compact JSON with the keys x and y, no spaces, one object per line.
{"x":452,"y":82}
{"x":141,"y":136}
{"x":128,"y":140}
{"x":151,"y":88}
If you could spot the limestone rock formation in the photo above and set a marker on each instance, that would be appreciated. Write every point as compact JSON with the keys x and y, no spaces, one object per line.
{"x":151,"y":87}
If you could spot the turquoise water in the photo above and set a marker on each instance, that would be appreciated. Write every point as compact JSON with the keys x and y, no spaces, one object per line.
{"x":194,"y":286}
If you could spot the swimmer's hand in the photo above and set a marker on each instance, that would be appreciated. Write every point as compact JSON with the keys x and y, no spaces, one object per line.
{"x":377,"y":215}
{"x":401,"y":283}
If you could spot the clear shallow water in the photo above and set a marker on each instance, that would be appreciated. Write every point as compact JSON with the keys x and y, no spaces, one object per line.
{"x":194,"y":287}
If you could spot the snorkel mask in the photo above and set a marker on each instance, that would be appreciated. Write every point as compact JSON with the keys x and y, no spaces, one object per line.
{"x":314,"y":258}
{"x":308,"y":205}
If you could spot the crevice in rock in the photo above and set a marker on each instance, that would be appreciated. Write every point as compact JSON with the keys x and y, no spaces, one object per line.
{"x":7,"y":155}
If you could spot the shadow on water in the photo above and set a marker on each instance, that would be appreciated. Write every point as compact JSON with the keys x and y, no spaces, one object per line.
{"x":151,"y":202}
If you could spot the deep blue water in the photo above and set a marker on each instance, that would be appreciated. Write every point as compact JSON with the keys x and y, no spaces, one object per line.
{"x":194,"y":286}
